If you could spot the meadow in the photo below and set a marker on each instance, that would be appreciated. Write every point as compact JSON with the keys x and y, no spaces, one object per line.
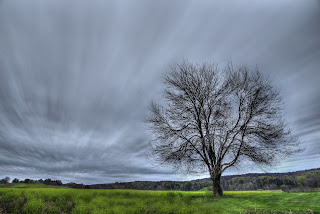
{"x":38,"y":199}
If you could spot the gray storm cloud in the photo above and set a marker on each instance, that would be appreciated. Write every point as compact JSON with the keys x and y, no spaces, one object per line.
{"x":76,"y":77}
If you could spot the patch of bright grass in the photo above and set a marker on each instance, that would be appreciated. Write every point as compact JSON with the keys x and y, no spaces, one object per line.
{"x":51,"y":200}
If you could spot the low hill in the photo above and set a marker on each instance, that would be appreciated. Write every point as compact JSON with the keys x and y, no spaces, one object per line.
{"x":299,"y":181}
{"x":306,"y":180}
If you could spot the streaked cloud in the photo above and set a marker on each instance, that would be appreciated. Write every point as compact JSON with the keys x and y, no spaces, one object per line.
{"x":76,"y":77}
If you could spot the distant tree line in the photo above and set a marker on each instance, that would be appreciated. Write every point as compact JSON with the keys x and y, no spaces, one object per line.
{"x":47,"y":181}
{"x":5,"y":180}
{"x":156,"y":185}
{"x":306,"y":181}
{"x":301,"y":181}
{"x":290,"y":182}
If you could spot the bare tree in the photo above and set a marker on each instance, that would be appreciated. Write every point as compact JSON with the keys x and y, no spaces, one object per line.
{"x":214,"y":119}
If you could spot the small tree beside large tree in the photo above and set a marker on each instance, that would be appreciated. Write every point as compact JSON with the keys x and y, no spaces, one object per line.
{"x":213,"y":119}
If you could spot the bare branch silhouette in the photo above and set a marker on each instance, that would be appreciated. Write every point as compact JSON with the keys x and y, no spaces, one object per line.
{"x":214,"y":119}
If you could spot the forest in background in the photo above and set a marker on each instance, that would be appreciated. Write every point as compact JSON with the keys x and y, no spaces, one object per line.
{"x":300,"y":181}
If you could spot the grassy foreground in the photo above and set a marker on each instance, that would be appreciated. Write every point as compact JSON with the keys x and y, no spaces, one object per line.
{"x":53,"y":200}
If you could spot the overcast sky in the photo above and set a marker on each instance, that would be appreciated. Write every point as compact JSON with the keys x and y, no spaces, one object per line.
{"x":76,"y":77}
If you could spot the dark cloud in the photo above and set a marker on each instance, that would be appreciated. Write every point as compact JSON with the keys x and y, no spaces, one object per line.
{"x":76,"y":78}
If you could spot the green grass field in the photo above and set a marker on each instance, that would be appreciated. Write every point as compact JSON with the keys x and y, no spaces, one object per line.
{"x":64,"y":200}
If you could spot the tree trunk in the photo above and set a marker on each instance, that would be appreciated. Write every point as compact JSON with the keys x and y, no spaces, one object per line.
{"x":216,"y":187}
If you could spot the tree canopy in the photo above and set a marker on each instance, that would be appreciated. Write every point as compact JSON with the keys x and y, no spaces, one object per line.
{"x":213,"y":119}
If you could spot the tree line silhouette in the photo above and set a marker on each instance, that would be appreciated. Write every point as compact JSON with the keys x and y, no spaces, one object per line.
{"x":301,"y":181}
